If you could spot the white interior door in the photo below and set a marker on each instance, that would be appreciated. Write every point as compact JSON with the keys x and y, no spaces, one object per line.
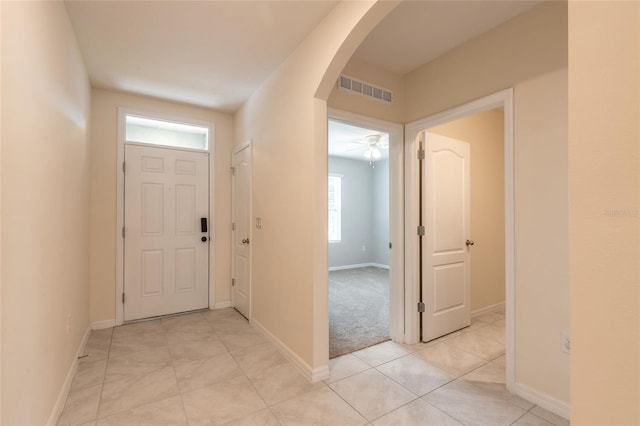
{"x":166,"y":248}
{"x":241,"y":238}
{"x":446,"y":278}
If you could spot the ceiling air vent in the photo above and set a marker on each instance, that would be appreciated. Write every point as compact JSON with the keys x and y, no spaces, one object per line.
{"x":363,"y":88}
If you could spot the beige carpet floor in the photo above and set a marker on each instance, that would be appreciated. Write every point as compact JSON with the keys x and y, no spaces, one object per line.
{"x":358,"y":309}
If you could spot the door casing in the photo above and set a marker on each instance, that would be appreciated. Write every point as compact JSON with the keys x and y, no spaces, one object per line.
{"x":122,"y":113}
{"x":502,"y":99}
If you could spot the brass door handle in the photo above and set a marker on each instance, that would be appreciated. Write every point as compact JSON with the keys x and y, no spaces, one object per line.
{"x":470,"y":243}
{"x":245,"y":241}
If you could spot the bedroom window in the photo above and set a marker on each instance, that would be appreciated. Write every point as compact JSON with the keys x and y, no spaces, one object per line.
{"x":335,"y":208}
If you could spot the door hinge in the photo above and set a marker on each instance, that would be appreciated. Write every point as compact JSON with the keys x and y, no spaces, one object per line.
{"x":390,"y":245}
{"x":124,"y":167}
{"x":421,"y":231}
{"x":421,"y":154}
{"x":123,"y":232}
{"x":233,"y":226}
{"x":233,"y":171}
{"x":421,"y":307}
{"x":233,"y":282}
{"x":123,"y":298}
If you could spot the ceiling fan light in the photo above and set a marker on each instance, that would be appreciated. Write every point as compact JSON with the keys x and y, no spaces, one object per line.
{"x":375,"y":153}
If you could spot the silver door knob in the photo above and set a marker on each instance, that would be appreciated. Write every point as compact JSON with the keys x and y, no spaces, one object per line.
{"x":470,"y":243}
{"x":245,"y":241}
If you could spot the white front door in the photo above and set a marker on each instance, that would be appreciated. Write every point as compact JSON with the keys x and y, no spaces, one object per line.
{"x":446,"y":278}
{"x":241,"y":248}
{"x":166,"y":245}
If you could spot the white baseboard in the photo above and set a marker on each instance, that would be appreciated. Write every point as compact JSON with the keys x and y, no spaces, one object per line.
{"x":543,"y":400}
{"x":99,"y":325}
{"x":222,"y":305}
{"x":312,"y":374}
{"x":66,"y":386}
{"x":380,"y":265}
{"x":487,"y":309}
{"x":357,"y":265}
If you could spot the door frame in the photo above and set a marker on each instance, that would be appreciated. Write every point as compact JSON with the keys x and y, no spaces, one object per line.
{"x":396,"y":213}
{"x":247,"y":145}
{"x":122,"y":113}
{"x":500,"y":99}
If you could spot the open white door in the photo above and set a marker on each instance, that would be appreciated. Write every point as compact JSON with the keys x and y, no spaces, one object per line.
{"x":241,"y":238}
{"x":446,"y":278}
{"x":166,"y":245}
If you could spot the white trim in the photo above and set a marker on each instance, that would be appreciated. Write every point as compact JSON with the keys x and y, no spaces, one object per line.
{"x":357,"y":265}
{"x":503,"y":99}
{"x":243,"y":145}
{"x":380,"y":265}
{"x":221,"y":305}
{"x":543,"y":400}
{"x":313,"y":375}
{"x":66,"y":386}
{"x":487,"y":310}
{"x":122,"y":112}
{"x":397,"y":285}
{"x":99,"y":325}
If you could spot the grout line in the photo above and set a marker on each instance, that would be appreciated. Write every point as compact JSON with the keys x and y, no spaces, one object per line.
{"x":350,"y":405}
{"x":104,"y":377}
{"x":523,"y":414}
{"x":444,"y":412}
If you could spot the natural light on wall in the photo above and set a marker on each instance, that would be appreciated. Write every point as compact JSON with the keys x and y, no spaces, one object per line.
{"x":167,"y":133}
{"x":335,"y":208}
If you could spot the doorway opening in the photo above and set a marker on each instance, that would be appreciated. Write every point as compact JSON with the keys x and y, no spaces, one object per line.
{"x":358,"y":237}
{"x":487,"y":126}
{"x":164,"y":215}
{"x":364,"y":280}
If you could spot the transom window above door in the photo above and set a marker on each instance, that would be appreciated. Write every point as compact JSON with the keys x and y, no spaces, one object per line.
{"x":166,"y":133}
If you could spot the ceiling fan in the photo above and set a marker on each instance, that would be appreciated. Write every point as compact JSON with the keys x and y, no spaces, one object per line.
{"x":372,"y":145}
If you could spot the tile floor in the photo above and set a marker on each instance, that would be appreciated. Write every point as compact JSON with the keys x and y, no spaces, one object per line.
{"x":213,"y":368}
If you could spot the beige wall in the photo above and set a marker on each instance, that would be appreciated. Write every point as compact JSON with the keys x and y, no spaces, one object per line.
{"x":529,"y":54}
{"x":527,"y":46}
{"x":485,"y":134}
{"x":45,"y":200}
{"x":604,"y":138}
{"x":104,"y":125}
{"x":370,"y":107}
{"x":288,"y":127}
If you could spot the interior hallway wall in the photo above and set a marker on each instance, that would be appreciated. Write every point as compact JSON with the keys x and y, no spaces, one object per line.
{"x":104,"y":139}
{"x":528,"y":53}
{"x":289,"y":262}
{"x":604,"y":177}
{"x":45,"y":202}
{"x":485,"y":134}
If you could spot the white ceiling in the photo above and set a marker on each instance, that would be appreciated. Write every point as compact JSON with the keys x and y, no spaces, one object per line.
{"x":209,"y":53}
{"x":216,"y":53}
{"x":416,"y":32}
{"x":349,"y":141}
